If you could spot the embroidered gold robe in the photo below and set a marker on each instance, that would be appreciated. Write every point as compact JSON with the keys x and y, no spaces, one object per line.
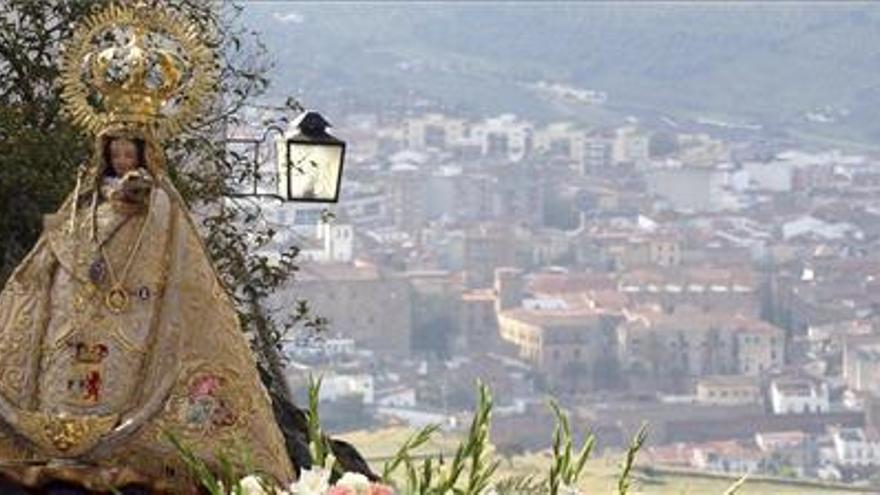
{"x":89,"y":386}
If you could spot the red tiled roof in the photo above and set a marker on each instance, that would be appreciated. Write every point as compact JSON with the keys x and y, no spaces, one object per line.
{"x":679,"y":454}
{"x":559,"y":283}
{"x":555,"y":318}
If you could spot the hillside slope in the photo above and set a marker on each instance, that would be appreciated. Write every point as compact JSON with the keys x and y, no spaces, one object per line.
{"x":766,"y":63}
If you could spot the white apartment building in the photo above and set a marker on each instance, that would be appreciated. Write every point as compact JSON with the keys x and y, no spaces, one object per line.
{"x":630,"y":146}
{"x":853,"y":447}
{"x":338,"y":242}
{"x":798,"y":396}
{"x":563,"y":138}
{"x":335,"y":387}
{"x":504,"y":136}
{"x":434,"y":131}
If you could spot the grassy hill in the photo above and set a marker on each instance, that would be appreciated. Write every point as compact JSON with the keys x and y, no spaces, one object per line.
{"x":766,"y":63}
{"x":600,"y":476}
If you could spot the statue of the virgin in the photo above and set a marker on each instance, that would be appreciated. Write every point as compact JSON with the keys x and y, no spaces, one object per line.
{"x":115,"y":331}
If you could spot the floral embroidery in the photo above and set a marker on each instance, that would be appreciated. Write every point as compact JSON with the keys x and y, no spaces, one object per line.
{"x":206,"y":407}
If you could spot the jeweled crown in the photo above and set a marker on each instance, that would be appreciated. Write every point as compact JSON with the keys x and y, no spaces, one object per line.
{"x":90,"y":353}
{"x":136,"y":65}
{"x":135,"y":80}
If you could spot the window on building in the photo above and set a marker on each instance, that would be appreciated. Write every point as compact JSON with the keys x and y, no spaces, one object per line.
{"x":497,"y":144}
{"x":435,"y":136}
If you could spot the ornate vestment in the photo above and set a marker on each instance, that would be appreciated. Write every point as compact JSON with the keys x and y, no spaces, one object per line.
{"x":115,"y":330}
{"x":82,"y":380}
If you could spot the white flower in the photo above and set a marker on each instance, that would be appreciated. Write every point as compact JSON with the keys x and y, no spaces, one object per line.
{"x":356,"y":481}
{"x":311,"y":482}
{"x":251,"y":485}
{"x":569,"y":490}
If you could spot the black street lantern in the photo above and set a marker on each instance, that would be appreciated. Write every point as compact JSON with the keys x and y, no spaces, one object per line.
{"x":310,"y":166}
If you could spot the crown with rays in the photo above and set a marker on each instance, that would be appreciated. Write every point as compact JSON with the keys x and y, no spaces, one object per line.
{"x":137,"y":65}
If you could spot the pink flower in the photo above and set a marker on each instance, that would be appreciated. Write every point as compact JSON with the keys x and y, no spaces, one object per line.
{"x":378,"y":489}
{"x":341,"y":490}
{"x":205,"y":385}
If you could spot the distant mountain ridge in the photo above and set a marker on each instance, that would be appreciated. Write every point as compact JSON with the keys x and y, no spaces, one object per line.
{"x":769,"y":62}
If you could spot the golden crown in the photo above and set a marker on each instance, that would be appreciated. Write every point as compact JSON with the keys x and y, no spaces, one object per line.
{"x":90,"y":353}
{"x":136,"y":65}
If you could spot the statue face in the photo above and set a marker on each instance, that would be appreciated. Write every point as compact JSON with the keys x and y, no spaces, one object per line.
{"x":123,"y":156}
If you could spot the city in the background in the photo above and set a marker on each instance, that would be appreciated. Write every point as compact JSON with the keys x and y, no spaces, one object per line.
{"x":716,"y":280}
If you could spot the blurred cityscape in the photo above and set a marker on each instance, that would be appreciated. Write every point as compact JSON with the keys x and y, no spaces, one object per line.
{"x":718,"y":281}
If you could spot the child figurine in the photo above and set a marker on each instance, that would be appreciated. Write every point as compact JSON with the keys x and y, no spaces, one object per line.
{"x":126,"y":182}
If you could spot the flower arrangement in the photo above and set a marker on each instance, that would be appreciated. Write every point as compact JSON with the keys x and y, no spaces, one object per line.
{"x":471,"y":471}
{"x":316,"y":481}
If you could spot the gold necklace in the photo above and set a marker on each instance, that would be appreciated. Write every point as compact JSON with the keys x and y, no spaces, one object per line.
{"x":117,"y":299}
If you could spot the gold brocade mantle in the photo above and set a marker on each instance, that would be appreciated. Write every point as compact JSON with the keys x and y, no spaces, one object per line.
{"x":81,"y":382}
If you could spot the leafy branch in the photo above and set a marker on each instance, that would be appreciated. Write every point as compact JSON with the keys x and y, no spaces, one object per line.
{"x":206,"y":475}
{"x":623,"y":482}
{"x":412,"y":443}
{"x":566,"y":467}
{"x":318,"y":443}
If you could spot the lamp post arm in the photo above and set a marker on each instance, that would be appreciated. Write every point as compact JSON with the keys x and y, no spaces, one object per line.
{"x":255,"y":195}
{"x":256,"y":144}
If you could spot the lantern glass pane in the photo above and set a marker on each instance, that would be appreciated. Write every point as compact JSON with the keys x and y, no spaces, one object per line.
{"x":314,"y":171}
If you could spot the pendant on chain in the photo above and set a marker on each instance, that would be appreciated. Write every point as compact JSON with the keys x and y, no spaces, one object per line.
{"x":98,"y":271}
{"x":117,"y":299}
